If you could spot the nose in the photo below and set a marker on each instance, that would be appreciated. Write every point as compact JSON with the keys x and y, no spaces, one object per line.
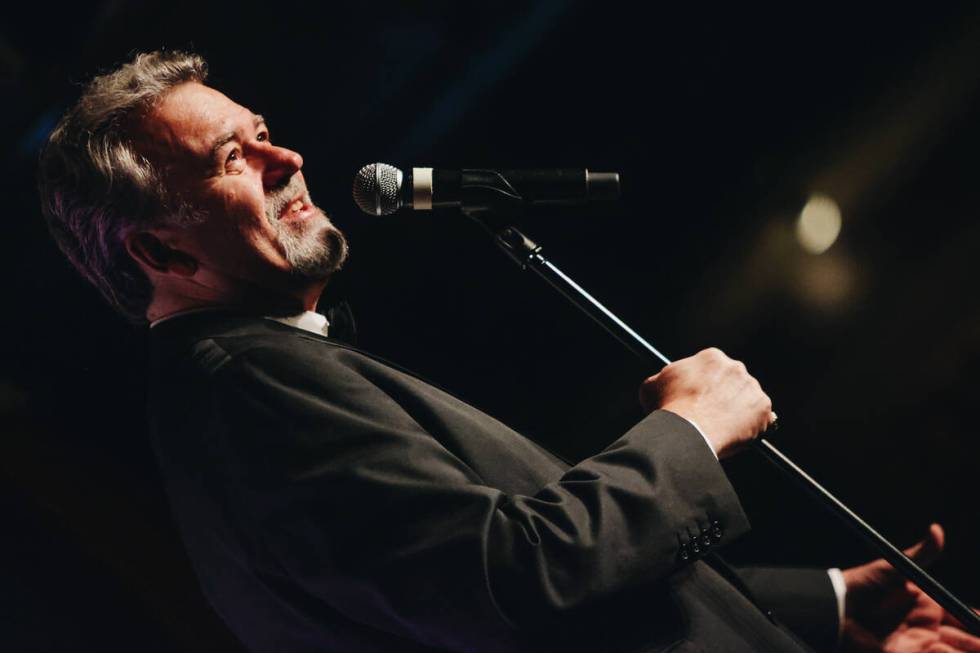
{"x":280,"y":164}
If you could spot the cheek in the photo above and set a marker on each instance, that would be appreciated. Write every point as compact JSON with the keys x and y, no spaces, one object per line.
{"x":243,"y":211}
{"x":238,"y":234}
{"x":243,"y":207}
{"x":259,"y":236}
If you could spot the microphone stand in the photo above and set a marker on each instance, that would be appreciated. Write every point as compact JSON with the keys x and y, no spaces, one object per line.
{"x":527,"y":254}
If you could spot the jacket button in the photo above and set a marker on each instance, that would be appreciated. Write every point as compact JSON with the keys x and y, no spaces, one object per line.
{"x":685,"y":554}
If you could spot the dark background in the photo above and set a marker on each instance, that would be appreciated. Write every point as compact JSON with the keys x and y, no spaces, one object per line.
{"x":721,"y":122}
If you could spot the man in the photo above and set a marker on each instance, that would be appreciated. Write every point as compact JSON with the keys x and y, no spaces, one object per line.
{"x":331,"y":501}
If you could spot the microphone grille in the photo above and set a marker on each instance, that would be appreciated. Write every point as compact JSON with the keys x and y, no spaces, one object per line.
{"x":377,"y":189}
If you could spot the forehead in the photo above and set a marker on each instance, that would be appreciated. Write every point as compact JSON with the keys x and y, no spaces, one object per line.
{"x":187,"y":120}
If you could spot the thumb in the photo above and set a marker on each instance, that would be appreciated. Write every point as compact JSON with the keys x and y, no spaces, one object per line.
{"x":649,"y":393}
{"x":880,"y":575}
{"x":929,"y":549}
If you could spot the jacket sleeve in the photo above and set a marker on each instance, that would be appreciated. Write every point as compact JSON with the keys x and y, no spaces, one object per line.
{"x":342,"y":492}
{"x":803,"y":599}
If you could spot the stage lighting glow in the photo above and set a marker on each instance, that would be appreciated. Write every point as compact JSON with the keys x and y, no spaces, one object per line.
{"x":819,"y":224}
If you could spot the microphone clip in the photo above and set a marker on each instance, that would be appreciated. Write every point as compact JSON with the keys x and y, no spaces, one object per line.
{"x":521,"y":249}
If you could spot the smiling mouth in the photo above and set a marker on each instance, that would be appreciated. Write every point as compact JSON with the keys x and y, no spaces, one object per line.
{"x":293,"y":207}
{"x":298,"y":208}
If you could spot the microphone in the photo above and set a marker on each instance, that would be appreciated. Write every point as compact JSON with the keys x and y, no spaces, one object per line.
{"x":382,"y":189}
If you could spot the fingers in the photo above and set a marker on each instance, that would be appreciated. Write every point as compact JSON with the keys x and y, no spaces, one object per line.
{"x":959,"y":640}
{"x":939,"y":647}
{"x":648,"y":394}
{"x":767,"y":414}
{"x":881,"y":572}
{"x":773,"y":422}
{"x":928,"y":550}
{"x":859,"y":639}
{"x":951,"y":620}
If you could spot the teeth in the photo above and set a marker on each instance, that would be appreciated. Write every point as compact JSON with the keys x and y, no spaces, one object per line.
{"x":296,"y":206}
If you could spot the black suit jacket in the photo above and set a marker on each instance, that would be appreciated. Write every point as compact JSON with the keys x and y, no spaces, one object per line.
{"x":332,"y":502}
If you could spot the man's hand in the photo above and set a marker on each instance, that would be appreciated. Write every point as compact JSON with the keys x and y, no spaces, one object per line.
{"x":716,"y":393}
{"x":884,"y":612}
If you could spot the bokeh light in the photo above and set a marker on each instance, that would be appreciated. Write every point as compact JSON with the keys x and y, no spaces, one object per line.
{"x":819,"y":224}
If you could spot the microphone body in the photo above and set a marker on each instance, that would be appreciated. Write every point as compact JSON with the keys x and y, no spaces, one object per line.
{"x":381,"y":189}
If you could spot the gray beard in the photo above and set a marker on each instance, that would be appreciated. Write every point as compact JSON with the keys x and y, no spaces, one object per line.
{"x":315,"y":249}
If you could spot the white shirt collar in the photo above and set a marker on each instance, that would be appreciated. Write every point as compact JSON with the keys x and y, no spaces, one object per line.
{"x":307,"y":320}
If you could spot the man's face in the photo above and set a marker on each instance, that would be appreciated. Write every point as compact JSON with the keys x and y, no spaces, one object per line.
{"x":260,"y":229}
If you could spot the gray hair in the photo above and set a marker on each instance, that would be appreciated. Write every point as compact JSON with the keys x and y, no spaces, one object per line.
{"x":95,"y":186}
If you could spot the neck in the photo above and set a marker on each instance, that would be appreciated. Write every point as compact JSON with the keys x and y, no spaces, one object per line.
{"x":253,"y":300}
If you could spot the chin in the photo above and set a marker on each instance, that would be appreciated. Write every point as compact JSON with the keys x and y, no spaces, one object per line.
{"x":317,"y":253}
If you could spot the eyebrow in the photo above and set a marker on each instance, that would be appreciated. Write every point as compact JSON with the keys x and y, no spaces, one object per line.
{"x":224,"y":139}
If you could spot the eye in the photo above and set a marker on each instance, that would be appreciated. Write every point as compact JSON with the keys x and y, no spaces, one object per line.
{"x":262,"y":137}
{"x":234,"y":161}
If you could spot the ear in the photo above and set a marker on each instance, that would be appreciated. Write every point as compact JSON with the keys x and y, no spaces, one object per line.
{"x":151,"y":252}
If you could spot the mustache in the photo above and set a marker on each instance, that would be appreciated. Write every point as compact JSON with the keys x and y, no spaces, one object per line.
{"x":279,"y":197}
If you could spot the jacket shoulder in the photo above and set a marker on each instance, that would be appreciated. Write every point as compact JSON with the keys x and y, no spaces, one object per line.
{"x":214,"y":346}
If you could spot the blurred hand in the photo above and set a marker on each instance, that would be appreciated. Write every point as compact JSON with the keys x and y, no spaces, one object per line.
{"x":884,"y":612}
{"x":715,"y":392}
